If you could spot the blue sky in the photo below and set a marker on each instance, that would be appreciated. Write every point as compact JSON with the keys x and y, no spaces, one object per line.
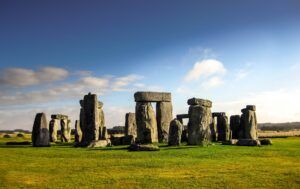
{"x":234,"y":53}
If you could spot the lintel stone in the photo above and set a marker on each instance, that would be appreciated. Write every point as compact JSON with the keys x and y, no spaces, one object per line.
{"x":152,"y":97}
{"x":199,"y":101}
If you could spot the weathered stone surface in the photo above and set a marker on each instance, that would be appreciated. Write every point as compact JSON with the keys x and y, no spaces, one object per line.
{"x":251,"y":107}
{"x":99,"y":144}
{"x":199,"y":125}
{"x":184,"y":135}
{"x":152,"y":97}
{"x":216,"y":114}
{"x":40,"y":133}
{"x":59,"y":116}
{"x":265,"y":141}
{"x":102,"y":130}
{"x":78,"y":132}
{"x":213,"y":129}
{"x":199,"y":101}
{"x":90,"y":124}
{"x":103,"y":135}
{"x":175,"y":133}
{"x":248,"y":142}
{"x":143,"y":147}
{"x":146,"y":123}
{"x":128,"y":140}
{"x":65,"y":130}
{"x":235,"y":125}
{"x":116,"y":141}
{"x":230,"y":142}
{"x":248,"y":125}
{"x":223,"y":128}
{"x":182,"y":116}
{"x":53,"y":127}
{"x":130,"y":125}
{"x":164,"y":117}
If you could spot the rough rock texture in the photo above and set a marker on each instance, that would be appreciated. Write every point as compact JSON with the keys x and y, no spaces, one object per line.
{"x":40,"y":133}
{"x":102,"y":128}
{"x":184,"y":135}
{"x":65,"y":130}
{"x":90,"y":123}
{"x":248,"y":142}
{"x":180,"y":117}
{"x":235,"y":125}
{"x":248,"y":125}
{"x":175,"y":133}
{"x":143,"y":147}
{"x":230,"y":142}
{"x":59,"y":116}
{"x":130,"y":125}
{"x":146,"y":123}
{"x":199,"y":101}
{"x":53,"y":127}
{"x":99,"y":143}
{"x":265,"y":141}
{"x":199,"y":124}
{"x":223,"y":127}
{"x":78,"y":132}
{"x":164,"y":117}
{"x":152,"y":97}
{"x":213,"y":129}
{"x":103,"y":135}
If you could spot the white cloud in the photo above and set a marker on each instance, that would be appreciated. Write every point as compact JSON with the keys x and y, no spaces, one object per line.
{"x":212,"y":82}
{"x":20,"y":77}
{"x":121,"y":82}
{"x":205,"y":68}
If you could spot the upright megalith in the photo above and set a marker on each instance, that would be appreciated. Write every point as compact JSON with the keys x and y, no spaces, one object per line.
{"x":175,"y":133}
{"x":235,"y":126}
{"x":164,"y":117}
{"x":200,"y":118}
{"x":53,"y":127}
{"x":163,"y":113}
{"x":130,"y":125}
{"x":213,"y":129}
{"x":65,"y":126}
{"x":248,"y":125}
{"x":146,"y":123}
{"x":102,"y":128}
{"x":78,"y":132}
{"x":90,"y":119}
{"x":40,"y":133}
{"x":222,"y":126}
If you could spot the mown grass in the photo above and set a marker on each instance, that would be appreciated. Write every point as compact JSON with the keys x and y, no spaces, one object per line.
{"x":216,"y":166}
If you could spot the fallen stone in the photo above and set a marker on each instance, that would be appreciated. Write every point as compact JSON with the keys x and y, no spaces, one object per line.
{"x":201,"y":102}
{"x":18,"y":143}
{"x":152,"y":97}
{"x":100,"y":143}
{"x":143,"y":147}
{"x":248,"y":142}
{"x":230,"y":142}
{"x":265,"y":141}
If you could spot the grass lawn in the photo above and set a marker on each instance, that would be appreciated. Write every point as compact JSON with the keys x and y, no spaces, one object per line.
{"x":216,"y":166}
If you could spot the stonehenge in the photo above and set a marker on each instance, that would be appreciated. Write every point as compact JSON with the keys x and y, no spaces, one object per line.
{"x":200,"y":118}
{"x":184,"y":135}
{"x":130,"y":125}
{"x":222,"y":126}
{"x":91,"y":119}
{"x":78,"y":132}
{"x":235,"y":126}
{"x":40,"y":134}
{"x":213,"y":129}
{"x":175,"y":133}
{"x":53,"y":127}
{"x":248,"y":123}
{"x":65,"y":127}
{"x":150,"y":127}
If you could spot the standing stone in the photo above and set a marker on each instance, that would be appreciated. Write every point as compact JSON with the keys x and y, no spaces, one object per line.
{"x":103,"y":135}
{"x":91,"y":119}
{"x":78,"y":132}
{"x":222,"y":126}
{"x":146,"y":123}
{"x":64,"y":130}
{"x":199,"y":122}
{"x":235,"y":125}
{"x":102,"y":128}
{"x":164,"y":118}
{"x":213,"y":129}
{"x":130,"y":125}
{"x":53,"y":127}
{"x":175,"y":133}
{"x":40,"y":133}
{"x":248,"y":123}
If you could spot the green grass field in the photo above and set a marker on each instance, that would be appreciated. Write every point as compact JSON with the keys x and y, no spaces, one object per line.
{"x":216,"y":166}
